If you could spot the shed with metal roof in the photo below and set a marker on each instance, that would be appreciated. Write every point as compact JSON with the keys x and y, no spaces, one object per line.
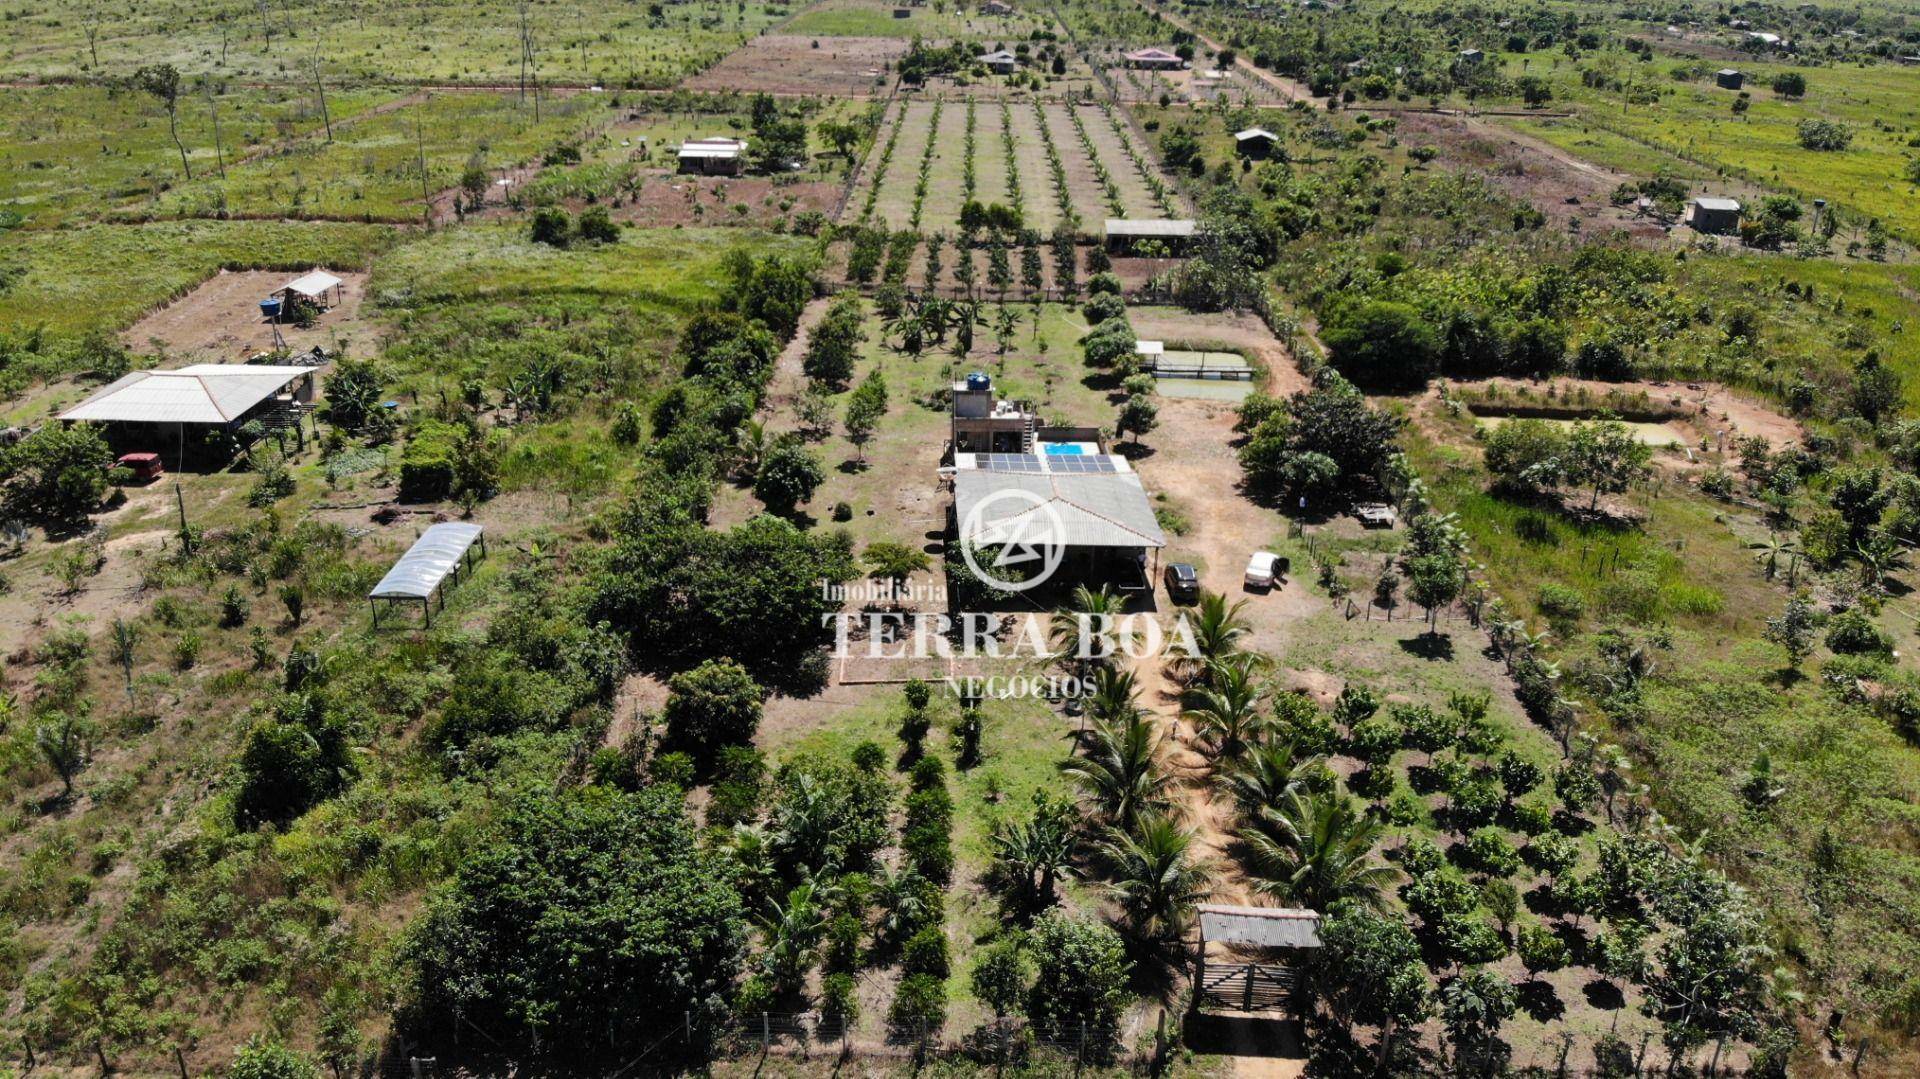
{"x":443,"y":551}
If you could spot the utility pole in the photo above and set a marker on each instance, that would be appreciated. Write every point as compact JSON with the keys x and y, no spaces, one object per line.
{"x":180,"y":501}
{"x":420,"y":152}
{"x":320,"y":87}
{"x":219,"y":155}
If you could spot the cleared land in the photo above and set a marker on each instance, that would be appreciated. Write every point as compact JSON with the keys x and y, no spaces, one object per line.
{"x":876,"y":18}
{"x":220,"y":322}
{"x":791,"y":63}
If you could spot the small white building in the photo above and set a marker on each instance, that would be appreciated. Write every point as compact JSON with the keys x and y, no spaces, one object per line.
{"x":1255,"y":142}
{"x":1471,"y":57}
{"x":715,"y":156}
{"x":1001,"y":62}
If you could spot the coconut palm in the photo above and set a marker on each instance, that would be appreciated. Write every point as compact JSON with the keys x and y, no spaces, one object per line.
{"x":1270,"y":775}
{"x":1118,"y":769}
{"x":1316,"y":850}
{"x":1227,"y":708}
{"x":1217,"y":630}
{"x":1155,"y":876}
{"x":1115,"y":696}
{"x":1087,"y":627}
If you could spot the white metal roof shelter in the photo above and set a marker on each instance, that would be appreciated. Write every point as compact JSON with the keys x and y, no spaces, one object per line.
{"x":1259,"y":134}
{"x":1150,"y":348}
{"x":1259,"y":927}
{"x":202,"y":393}
{"x":443,"y":550}
{"x":319,"y":286}
{"x":1080,"y":509}
{"x":1175,"y":228}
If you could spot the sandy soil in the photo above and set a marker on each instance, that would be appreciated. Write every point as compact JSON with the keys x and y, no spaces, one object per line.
{"x":800,"y":65}
{"x":1557,"y":183}
{"x":219,"y":321}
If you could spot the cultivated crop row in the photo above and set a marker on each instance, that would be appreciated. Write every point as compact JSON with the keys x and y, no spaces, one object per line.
{"x":926,"y":166}
{"x":880,"y":166}
{"x":1062,"y":193}
{"x":1107,"y":182}
{"x":968,"y":179}
{"x":1013,"y":156}
{"x":1162,"y":192}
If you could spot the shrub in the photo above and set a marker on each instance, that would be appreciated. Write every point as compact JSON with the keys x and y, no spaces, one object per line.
{"x":673,"y":770}
{"x":740,"y":780}
{"x":1487,"y":851}
{"x":926,"y":953}
{"x":1852,"y":633}
{"x":713,"y":705}
{"x":1383,"y":345}
{"x":58,"y":473}
{"x":1561,"y":606}
{"x":263,"y":1058}
{"x":597,"y":227}
{"x":291,"y":761}
{"x":1824,"y":135}
{"x":868,"y":756}
{"x":840,"y":999}
{"x":428,"y":465}
{"x":919,"y":1005}
{"x":552,"y":227}
{"x":1080,"y":983}
{"x":1541,"y":950}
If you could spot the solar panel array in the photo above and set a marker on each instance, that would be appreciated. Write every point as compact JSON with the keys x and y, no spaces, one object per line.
{"x":1059,"y":463}
{"x":1068,"y":464}
{"x":1009,"y":462}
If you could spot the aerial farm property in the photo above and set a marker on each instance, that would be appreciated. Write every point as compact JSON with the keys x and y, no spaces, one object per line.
{"x":1227,"y":539}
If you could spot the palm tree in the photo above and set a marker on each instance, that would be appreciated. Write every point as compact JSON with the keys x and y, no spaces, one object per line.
{"x":1118,"y":769}
{"x":1770,"y":552}
{"x":1114,"y":697}
{"x":1315,"y":851}
{"x":1081,"y":631}
{"x":1217,"y":630}
{"x":1155,"y":877}
{"x":1271,"y":775}
{"x":1227,"y":710}
{"x":793,"y":928}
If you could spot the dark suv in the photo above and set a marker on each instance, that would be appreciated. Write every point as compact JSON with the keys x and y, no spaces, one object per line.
{"x":1183,"y":582}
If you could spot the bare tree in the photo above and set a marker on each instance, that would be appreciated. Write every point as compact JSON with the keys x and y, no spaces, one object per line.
{"x":163,"y":82}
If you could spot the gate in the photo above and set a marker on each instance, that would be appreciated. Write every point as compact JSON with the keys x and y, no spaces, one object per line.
{"x":1247,"y":987}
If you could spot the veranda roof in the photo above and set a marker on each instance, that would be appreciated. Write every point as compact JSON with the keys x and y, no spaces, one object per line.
{"x":434,"y":555}
{"x":200,"y":393}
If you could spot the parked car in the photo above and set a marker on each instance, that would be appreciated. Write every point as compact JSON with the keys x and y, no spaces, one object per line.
{"x":1183,"y":582}
{"x":1265,"y":569}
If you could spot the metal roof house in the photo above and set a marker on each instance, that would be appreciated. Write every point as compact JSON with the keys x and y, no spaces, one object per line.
{"x":1714,"y":216}
{"x":1255,"y":141}
{"x":442,"y":551}
{"x":150,"y":409}
{"x":716,"y":156}
{"x":1729,"y":78}
{"x":1125,"y":234}
{"x":1089,"y":510}
{"x":1155,"y":59}
{"x":1471,"y":56}
{"x":1001,"y":62}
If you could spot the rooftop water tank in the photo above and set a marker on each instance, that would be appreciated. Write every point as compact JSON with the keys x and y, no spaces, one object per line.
{"x":979,"y":382}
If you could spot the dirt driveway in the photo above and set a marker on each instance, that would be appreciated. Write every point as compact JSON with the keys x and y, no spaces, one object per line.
{"x":219,"y":321}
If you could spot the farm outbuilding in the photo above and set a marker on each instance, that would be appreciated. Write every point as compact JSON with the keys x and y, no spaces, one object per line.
{"x":443,"y":551}
{"x":150,"y":410}
{"x":716,"y":156}
{"x":1471,"y":57}
{"x":1155,"y":59}
{"x":1714,"y":216}
{"x":996,"y":7}
{"x":318,"y":290}
{"x":1728,"y":78}
{"x":1247,"y":958}
{"x":1255,"y":142}
{"x":1126,"y":235}
{"x":1001,"y":62}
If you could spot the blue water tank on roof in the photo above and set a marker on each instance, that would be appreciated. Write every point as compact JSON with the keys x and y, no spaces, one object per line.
{"x":979,"y":381}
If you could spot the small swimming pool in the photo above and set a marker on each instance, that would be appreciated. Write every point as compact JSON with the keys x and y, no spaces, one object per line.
{"x":1064,"y":449}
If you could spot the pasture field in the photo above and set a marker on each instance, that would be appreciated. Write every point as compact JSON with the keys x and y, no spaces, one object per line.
{"x":598,"y":42}
{"x":1082,"y":159}
{"x":875,"y":18}
{"x":68,"y":152}
{"x":789,"y":63}
{"x":1694,"y":129}
{"x":371,"y":171}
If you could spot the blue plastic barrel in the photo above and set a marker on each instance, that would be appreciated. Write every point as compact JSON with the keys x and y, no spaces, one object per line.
{"x":270,"y":308}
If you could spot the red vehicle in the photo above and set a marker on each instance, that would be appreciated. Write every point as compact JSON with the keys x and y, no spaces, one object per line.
{"x":145,"y":467}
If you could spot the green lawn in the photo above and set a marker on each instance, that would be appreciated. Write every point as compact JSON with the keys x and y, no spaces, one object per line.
{"x":875,"y":18}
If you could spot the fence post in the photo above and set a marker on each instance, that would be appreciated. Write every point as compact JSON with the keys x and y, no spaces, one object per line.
{"x":28,"y":1046}
{"x":1080,"y":1050}
{"x":180,"y":1059}
{"x":764,"y":1034}
{"x":1160,"y":1043}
